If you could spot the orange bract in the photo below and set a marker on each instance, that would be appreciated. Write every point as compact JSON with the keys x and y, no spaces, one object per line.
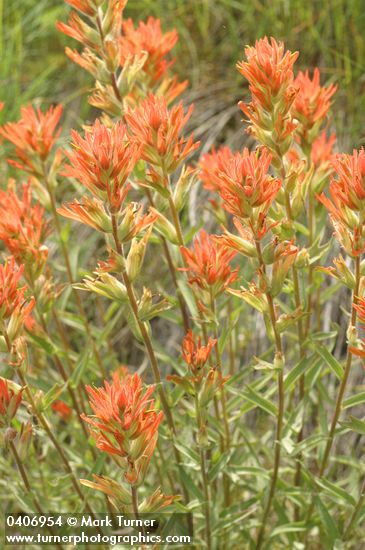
{"x":125,"y":422}
{"x":86,"y":7}
{"x":15,"y":308}
{"x":208,"y":264}
{"x":269,"y":71}
{"x":148,"y":37}
{"x":102,"y":161}
{"x":158,"y":130}
{"x":23,"y":229}
{"x":33,"y":135}
{"x":213,"y":163}
{"x":62,"y":409}
{"x":243,"y":181}
{"x":194,"y":354}
{"x":312,"y":102}
{"x":322,"y":149}
{"x":347,"y":200}
{"x":9,"y":402}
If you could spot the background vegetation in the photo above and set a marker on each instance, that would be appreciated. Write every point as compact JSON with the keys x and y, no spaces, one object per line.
{"x":213,"y":33}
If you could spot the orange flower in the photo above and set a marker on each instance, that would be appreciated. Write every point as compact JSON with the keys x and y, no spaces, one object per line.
{"x":62,"y":409}
{"x":87,"y":7}
{"x":125,"y":423}
{"x":14,"y":307}
{"x":322,"y":150}
{"x":148,"y":37}
{"x":360,"y":308}
{"x":80,"y":31}
{"x":348,"y":190}
{"x":211,"y":164}
{"x":245,"y":184}
{"x":23,"y":230}
{"x":158,"y":130}
{"x":312,"y":103}
{"x":33,"y":136}
{"x":103,"y":161}
{"x":269,"y":71}
{"x":194,"y":354}
{"x":9,"y":402}
{"x":347,"y":200}
{"x":208,"y":264}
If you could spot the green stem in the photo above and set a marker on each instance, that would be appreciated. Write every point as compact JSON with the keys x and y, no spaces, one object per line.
{"x":226,"y":480}
{"x":69,"y":272}
{"x":204,"y":473}
{"x":27,"y":486}
{"x":355,"y":513}
{"x":281,"y":403}
{"x":343,"y":384}
{"x":149,"y":348}
{"x":172,"y":269}
{"x":135,"y":505}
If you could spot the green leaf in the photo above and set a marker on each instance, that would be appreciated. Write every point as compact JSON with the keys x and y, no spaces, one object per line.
{"x":293,"y":527}
{"x":81,"y":366}
{"x":52,"y":395}
{"x":335,"y":491}
{"x":44,"y":343}
{"x":327,"y":520}
{"x":190,"y":485}
{"x":355,"y":425}
{"x":257,"y":399}
{"x":189,"y":452}
{"x":219,"y":465}
{"x":297,"y":372}
{"x":354,"y":400}
{"x":188,"y":297}
{"x":333,"y":364}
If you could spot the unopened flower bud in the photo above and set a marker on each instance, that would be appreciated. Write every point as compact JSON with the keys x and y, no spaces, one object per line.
{"x":302,"y":259}
{"x":136,"y":255}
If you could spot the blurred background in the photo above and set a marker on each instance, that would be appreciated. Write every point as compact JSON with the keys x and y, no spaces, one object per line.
{"x":213,"y":33}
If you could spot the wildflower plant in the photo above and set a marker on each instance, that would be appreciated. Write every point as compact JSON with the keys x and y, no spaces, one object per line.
{"x":215,"y":369}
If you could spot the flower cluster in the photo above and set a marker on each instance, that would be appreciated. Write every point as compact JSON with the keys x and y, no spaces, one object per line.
{"x":201,"y":380}
{"x":347,"y":200}
{"x":34,"y":136}
{"x":243,"y":183}
{"x":127,"y":62}
{"x":269,"y":71}
{"x":149,"y":39}
{"x":102,"y":161}
{"x":158,"y":131}
{"x":208,"y":264}
{"x":311,"y":105}
{"x":15,"y":308}
{"x":125,"y":423}
{"x":23,"y":229}
{"x":9,"y":402}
